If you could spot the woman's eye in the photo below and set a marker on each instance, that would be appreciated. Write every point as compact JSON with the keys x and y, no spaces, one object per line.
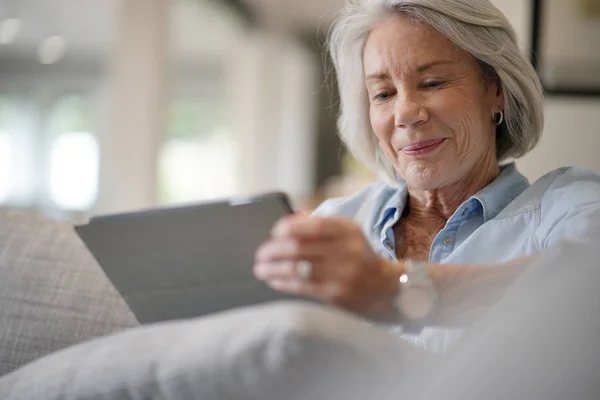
{"x":382,"y":96}
{"x":432,"y":84}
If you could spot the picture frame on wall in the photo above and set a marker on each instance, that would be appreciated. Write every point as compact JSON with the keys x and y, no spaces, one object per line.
{"x":565,"y":46}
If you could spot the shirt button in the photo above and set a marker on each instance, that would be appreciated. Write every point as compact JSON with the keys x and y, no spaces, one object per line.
{"x":448,"y":240}
{"x":465,"y":211}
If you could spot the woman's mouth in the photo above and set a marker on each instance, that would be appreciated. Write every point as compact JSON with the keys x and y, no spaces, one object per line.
{"x":422,"y":148}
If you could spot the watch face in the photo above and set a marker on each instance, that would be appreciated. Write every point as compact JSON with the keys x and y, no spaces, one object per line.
{"x":416,"y":302}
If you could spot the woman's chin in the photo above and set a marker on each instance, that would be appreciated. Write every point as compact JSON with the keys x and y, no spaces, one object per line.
{"x":424,"y":177}
{"x":423,"y":184}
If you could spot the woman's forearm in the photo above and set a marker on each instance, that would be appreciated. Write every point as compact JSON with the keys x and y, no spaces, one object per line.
{"x":467,"y":291}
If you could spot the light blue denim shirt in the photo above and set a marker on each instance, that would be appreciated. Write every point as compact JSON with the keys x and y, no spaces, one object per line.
{"x":507,"y":219}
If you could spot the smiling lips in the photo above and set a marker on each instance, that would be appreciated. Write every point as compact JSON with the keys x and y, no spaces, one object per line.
{"x":422,"y":148}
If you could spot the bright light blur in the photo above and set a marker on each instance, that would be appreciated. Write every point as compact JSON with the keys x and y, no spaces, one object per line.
{"x":74,"y":161}
{"x":198,"y":169}
{"x":9,"y":29}
{"x":51,"y":50}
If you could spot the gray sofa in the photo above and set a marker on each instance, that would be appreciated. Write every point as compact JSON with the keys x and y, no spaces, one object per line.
{"x":66,"y":334}
{"x":52,"y":293}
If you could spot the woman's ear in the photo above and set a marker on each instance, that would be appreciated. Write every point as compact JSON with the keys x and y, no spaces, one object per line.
{"x":499,"y":96}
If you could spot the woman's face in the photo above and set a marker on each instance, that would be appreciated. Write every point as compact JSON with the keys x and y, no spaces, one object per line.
{"x":430,"y":106}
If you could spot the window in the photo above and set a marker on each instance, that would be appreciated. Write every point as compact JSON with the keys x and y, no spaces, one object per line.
{"x":5,"y":166}
{"x":14,"y":166}
{"x":5,"y":154}
{"x":197,"y":161}
{"x":73,"y":156}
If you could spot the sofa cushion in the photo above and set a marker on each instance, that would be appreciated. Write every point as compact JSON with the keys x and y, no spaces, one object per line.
{"x":291,"y":351}
{"x":53,"y":294}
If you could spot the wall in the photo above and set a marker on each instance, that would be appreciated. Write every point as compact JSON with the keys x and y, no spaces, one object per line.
{"x":571,"y":135}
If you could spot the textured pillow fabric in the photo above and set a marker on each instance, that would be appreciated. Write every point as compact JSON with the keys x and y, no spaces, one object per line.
{"x":53,"y":294}
{"x":280,"y":351}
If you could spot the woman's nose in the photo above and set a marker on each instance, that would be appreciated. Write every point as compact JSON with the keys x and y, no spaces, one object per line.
{"x":408,"y":110}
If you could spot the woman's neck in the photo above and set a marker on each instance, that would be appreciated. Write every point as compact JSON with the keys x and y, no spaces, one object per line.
{"x":441,"y":203}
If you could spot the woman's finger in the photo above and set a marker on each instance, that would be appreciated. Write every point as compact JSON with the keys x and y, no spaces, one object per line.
{"x":291,"y":249}
{"x":293,"y":286}
{"x":318,"y":272}
{"x":314,"y":228}
{"x":302,"y":288}
{"x":276,"y":270}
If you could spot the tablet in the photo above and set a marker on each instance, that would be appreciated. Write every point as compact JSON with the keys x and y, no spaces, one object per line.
{"x":187,"y":261}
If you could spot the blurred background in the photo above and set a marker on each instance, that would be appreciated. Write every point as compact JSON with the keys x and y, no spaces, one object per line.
{"x":118,"y":105}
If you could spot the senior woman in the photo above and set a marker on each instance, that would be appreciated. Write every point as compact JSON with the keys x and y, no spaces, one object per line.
{"x":436,"y":98}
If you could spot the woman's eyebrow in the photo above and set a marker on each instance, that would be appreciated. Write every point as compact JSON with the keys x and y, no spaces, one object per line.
{"x":380,"y":76}
{"x":425,"y":67}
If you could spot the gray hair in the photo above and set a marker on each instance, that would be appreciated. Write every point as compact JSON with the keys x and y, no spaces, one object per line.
{"x":475,"y":26}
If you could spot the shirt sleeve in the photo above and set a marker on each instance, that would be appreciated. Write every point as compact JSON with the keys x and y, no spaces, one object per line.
{"x":327,"y":208}
{"x":570,"y":209}
{"x":359,"y":206}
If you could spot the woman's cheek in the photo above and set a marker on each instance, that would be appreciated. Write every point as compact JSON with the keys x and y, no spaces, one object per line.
{"x":464,"y":129}
{"x":379,"y":128}
{"x":378,"y":123}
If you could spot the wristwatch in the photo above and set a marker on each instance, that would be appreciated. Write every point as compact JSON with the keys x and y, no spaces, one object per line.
{"x":416,"y":296}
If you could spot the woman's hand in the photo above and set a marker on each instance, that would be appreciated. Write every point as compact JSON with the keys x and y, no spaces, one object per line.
{"x":345,"y":270}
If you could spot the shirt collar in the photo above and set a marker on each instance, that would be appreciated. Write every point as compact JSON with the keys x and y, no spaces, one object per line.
{"x":393,"y":207}
{"x":493,"y":198}
{"x":501,"y":191}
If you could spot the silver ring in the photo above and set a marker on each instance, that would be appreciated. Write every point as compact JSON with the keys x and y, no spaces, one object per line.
{"x":304,"y":269}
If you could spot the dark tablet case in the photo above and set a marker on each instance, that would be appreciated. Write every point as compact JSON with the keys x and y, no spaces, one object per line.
{"x":187,"y":261}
